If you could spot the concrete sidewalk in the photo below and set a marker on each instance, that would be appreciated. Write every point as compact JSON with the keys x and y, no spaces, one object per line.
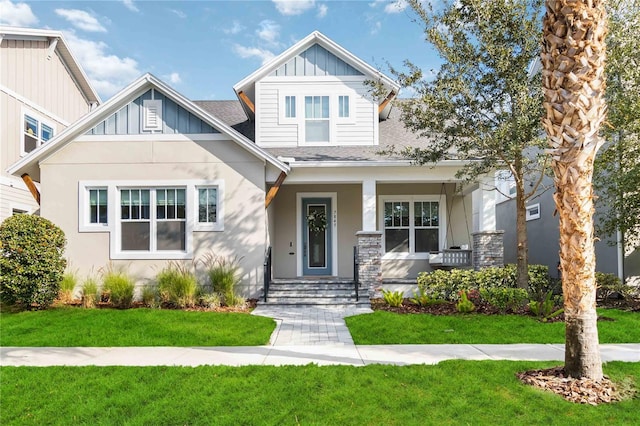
{"x":339,"y":354}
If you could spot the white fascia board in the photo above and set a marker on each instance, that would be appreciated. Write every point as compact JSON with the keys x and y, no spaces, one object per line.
{"x":325,"y":42}
{"x":135,"y":89}
{"x":384,"y":163}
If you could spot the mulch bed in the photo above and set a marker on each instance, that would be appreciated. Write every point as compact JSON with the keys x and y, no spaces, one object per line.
{"x":581,"y":391}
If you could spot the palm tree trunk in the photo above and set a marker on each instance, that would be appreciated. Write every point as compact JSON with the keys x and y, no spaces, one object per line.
{"x":573,"y":59}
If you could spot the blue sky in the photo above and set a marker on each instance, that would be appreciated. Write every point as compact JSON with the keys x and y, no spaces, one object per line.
{"x":202,"y":48}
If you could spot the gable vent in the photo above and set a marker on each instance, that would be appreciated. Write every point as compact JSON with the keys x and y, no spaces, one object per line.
{"x":152,"y":110}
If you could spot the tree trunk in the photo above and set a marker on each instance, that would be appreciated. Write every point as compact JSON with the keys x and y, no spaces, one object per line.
{"x":522,"y":261}
{"x":573,"y":58}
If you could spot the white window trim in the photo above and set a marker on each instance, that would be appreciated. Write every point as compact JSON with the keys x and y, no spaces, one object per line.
{"x":113,"y":211}
{"x":218,"y":225}
{"x":533,"y":216}
{"x":282,"y":108}
{"x":331,"y":119}
{"x":84,"y":210}
{"x":23,"y":208}
{"x":24,"y":112}
{"x":351,"y":119}
{"x":442,"y":229}
{"x":157,"y":105}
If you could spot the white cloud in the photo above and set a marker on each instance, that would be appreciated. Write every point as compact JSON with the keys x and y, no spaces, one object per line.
{"x":396,"y":6}
{"x":16,"y":14}
{"x":294,"y":7}
{"x":253,"y":52}
{"x":108,"y":73}
{"x":81,"y":20}
{"x":180,"y":14}
{"x":174,"y":78}
{"x":322,"y":11}
{"x":130,"y":5}
{"x":235,"y":28}
{"x":268,"y":31}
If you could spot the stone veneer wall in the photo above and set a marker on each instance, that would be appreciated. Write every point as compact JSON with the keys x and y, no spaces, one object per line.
{"x":488,"y":249}
{"x":370,"y":259}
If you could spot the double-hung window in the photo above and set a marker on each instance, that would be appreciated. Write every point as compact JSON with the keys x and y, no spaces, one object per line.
{"x":35,"y":132}
{"x":316,"y":114}
{"x":411,"y":225}
{"x":153,"y":220}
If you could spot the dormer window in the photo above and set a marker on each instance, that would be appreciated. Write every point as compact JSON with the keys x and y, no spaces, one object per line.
{"x":35,"y":132}
{"x":316,"y":114}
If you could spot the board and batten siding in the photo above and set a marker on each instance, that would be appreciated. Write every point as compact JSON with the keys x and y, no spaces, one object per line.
{"x":270,"y":132}
{"x":128,"y":120}
{"x":316,"y":61}
{"x":25,"y":70}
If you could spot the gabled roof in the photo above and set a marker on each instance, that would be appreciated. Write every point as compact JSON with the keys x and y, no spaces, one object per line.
{"x":30,"y":163}
{"x":245,"y":88}
{"x":62,"y":47}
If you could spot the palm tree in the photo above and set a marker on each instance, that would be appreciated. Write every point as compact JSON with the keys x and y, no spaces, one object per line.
{"x":573,"y":60}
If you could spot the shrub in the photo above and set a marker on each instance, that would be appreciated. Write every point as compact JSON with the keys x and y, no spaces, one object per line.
{"x":464,"y":305}
{"x":393,"y":298}
{"x":119,"y":287}
{"x":31,"y":262}
{"x":177,"y":285}
{"x":89,"y":292}
{"x":234,"y":300}
{"x":67,"y":286}
{"x":504,"y":298}
{"x":446,"y":285}
{"x":610,"y":284}
{"x":223,"y":274}
{"x":150,"y":296}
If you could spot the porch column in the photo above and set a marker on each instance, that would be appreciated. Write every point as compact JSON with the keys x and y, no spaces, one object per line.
{"x":369,"y":205}
{"x":488,"y":243}
{"x":370,"y":260}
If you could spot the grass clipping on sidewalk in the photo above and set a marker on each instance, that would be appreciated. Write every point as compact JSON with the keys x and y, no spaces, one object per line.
{"x":581,"y":391}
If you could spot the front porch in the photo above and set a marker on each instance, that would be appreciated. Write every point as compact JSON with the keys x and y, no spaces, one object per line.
{"x":399,"y":229}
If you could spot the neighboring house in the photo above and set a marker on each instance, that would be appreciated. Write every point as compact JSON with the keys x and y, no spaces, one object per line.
{"x":42,"y":90}
{"x":293,"y":164}
{"x":544,"y":235}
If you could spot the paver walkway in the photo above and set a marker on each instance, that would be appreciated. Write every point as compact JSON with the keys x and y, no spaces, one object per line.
{"x":313,"y":325}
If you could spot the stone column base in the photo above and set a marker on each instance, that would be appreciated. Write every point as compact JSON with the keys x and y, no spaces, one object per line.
{"x":370,"y":260}
{"x":488,"y":249}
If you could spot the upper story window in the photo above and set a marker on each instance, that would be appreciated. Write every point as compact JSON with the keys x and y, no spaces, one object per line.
{"x":316,"y":114}
{"x":343,"y":106}
{"x":290,"y":107}
{"x":35,"y":132}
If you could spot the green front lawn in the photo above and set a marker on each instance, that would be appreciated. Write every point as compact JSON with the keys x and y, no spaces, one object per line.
{"x":381,"y":327}
{"x":450,"y":393}
{"x":132,"y":327}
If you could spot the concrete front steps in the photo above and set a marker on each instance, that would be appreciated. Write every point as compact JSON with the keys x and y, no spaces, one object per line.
{"x":315,"y":292}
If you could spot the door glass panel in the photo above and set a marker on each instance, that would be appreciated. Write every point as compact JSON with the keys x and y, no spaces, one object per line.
{"x":317,"y":220}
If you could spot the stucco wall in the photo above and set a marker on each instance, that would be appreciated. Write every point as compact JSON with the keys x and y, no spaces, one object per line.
{"x":243,"y":174}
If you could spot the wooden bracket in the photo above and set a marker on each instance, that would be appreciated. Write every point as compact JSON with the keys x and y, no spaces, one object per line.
{"x":384,"y":103}
{"x":32,"y":187}
{"x":247,"y":101}
{"x":274,"y":190}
